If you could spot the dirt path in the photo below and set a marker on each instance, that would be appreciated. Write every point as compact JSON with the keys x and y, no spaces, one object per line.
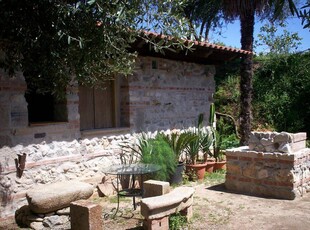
{"x":216,"y":208}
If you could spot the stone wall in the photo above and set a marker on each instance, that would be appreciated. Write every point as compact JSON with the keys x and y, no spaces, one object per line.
{"x":279,"y":174}
{"x":169,"y":94}
{"x":162,"y":95}
{"x":14,"y":128}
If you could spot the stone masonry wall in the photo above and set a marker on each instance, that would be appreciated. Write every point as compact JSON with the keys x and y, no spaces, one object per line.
{"x":57,"y":161}
{"x":170,"y":96}
{"x":14,"y":128}
{"x":270,"y":174}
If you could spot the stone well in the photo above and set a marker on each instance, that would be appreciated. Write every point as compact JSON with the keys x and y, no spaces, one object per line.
{"x":273,"y":165}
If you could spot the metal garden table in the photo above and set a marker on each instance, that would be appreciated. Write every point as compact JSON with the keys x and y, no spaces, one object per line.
{"x":132,"y":170}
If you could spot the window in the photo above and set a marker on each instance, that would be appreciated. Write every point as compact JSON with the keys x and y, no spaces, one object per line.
{"x":100,"y":107}
{"x":45,"y":108}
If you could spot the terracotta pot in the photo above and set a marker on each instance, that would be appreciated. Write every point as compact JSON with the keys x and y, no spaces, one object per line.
{"x":199,"y":170}
{"x":210,"y":166}
{"x":219,"y":165}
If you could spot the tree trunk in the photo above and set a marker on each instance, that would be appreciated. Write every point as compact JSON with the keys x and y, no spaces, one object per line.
{"x":246,"y":73}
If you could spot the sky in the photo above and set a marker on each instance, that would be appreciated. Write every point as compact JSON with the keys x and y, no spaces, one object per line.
{"x":231,"y":34}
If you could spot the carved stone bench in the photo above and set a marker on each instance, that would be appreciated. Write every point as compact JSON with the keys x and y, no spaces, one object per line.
{"x":156,"y":210}
{"x":51,"y":197}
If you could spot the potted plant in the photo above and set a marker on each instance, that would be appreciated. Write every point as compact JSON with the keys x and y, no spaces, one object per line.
{"x":177,"y":142}
{"x":197,"y":149}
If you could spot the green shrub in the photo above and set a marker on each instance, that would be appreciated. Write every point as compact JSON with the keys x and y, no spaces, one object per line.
{"x":157,"y":151}
{"x":281,"y":92}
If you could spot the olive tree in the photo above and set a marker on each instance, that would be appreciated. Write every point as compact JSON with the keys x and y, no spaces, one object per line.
{"x":52,"y":41}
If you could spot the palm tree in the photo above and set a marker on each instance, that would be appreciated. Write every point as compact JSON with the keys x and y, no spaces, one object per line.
{"x":206,"y":14}
{"x":245,"y":10}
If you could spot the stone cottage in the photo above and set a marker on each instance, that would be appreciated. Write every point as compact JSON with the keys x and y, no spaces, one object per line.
{"x":43,"y":142}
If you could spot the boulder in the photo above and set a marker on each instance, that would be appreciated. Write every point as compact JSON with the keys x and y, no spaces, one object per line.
{"x":52,"y":197}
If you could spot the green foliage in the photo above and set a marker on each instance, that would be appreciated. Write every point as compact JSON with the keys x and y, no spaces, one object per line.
{"x":212,"y":114}
{"x":281,"y":91}
{"x":225,"y":138}
{"x":281,"y":98}
{"x":229,"y":141}
{"x":178,"y":142}
{"x":177,"y":221}
{"x":205,"y":16}
{"x":304,"y":14}
{"x":278,"y":43}
{"x":51,"y":41}
{"x":227,"y":96}
{"x":215,"y":177}
{"x":157,"y":151}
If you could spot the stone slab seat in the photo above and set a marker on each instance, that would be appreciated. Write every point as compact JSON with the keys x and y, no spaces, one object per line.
{"x":51,"y":197}
{"x":158,"y":207}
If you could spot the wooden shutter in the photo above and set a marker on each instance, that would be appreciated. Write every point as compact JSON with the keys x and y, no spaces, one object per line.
{"x":86,"y":107}
{"x":99,"y":107}
{"x":104,"y":107}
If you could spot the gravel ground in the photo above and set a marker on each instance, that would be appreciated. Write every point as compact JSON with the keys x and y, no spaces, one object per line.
{"x":216,"y":208}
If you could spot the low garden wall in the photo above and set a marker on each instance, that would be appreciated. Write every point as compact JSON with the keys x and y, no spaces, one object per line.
{"x":51,"y":162}
{"x":46,"y":163}
{"x":273,"y":165}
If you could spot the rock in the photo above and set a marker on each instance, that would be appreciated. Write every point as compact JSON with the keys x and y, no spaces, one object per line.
{"x":34,"y":218}
{"x":105,"y":189}
{"x":283,"y":137}
{"x":54,"y":221}
{"x":285,"y":148}
{"x":37,"y":226}
{"x":64,"y":211}
{"x":52,"y":197}
{"x":261,"y":174}
{"x":21,"y":213}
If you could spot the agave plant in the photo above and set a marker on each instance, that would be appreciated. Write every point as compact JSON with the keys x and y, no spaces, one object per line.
{"x":132,"y":151}
{"x":178,"y":142}
{"x":201,"y":141}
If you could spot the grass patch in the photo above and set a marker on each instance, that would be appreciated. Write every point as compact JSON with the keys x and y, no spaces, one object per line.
{"x":177,"y":221}
{"x":217,"y":177}
{"x":113,"y":199}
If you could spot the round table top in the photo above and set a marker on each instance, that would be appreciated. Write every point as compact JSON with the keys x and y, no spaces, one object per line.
{"x":132,"y":169}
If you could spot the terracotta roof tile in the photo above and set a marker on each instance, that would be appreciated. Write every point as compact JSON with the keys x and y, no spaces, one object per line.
{"x":201,"y":44}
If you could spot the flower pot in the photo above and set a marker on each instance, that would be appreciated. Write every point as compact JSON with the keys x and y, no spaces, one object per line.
{"x":219,"y":165}
{"x":198,"y":169}
{"x":177,"y":177}
{"x":210,"y":166}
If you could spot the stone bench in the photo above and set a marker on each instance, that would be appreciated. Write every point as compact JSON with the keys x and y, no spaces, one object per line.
{"x":52,"y":197}
{"x":156,"y":210}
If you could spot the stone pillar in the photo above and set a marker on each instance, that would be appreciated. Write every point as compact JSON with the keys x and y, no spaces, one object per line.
{"x":85,"y":215}
{"x":155,"y":188}
{"x":156,"y":224}
{"x":187,"y":212}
